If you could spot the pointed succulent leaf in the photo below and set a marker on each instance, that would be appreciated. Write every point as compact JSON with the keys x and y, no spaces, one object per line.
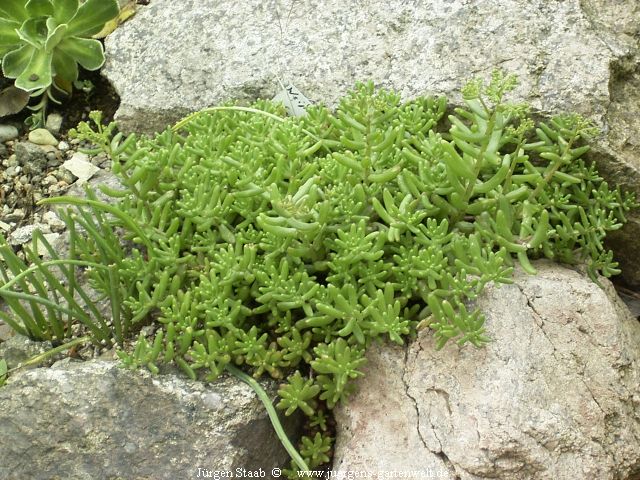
{"x":298,"y":393}
{"x":91,"y":17}
{"x":315,"y":449}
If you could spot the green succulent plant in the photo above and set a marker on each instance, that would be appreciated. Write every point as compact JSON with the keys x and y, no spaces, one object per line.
{"x":42,"y":42}
{"x":291,"y":244}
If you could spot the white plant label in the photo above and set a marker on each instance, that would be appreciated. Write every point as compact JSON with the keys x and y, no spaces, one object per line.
{"x":293,"y":99}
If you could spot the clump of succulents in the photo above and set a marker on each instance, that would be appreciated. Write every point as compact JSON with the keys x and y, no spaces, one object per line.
{"x":288,"y":245}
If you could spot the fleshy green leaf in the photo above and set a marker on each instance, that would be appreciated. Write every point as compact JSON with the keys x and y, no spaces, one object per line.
{"x":14,"y":9}
{"x":64,"y":66}
{"x":37,"y":75}
{"x":87,"y":52}
{"x":39,"y":8}
{"x":8,"y":34}
{"x":91,"y":17}
{"x":64,"y":10}
{"x":55,"y":37}
{"x":34,"y":32}
{"x":15,"y":62}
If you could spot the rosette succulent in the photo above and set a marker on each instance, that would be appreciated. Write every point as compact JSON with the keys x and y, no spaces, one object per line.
{"x":42,"y":42}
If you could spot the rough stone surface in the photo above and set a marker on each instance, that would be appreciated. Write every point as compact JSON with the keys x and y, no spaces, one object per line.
{"x":22,"y":235}
{"x":556,"y":395}
{"x":6,"y":332}
{"x":31,"y":157}
{"x":94,"y":420}
{"x":16,"y":349}
{"x":238,"y":50}
{"x":8,"y":132}
{"x":574,"y":55}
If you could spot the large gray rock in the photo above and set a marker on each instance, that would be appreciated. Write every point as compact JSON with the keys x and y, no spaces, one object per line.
{"x":16,"y":349}
{"x":554,"y":396}
{"x":237,"y":50}
{"x":94,"y":420}
{"x":173,"y":58}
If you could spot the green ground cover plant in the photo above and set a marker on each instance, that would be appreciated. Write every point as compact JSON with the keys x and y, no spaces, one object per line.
{"x":287,"y":245}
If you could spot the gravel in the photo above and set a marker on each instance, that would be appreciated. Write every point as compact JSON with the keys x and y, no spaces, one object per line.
{"x":30,"y":172}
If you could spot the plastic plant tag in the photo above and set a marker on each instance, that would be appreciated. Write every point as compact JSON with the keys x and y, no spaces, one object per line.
{"x":293,"y":99}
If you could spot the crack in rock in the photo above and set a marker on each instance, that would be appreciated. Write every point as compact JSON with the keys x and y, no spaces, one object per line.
{"x":441,"y":454}
{"x":413,"y":399}
{"x":578,"y":364}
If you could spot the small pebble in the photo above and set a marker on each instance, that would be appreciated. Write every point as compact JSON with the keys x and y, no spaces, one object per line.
{"x":8,"y":132}
{"x":22,"y":235}
{"x":48,"y":181}
{"x":63,"y":146}
{"x":15,"y":216}
{"x":49,"y":237}
{"x":65,"y":176}
{"x":80,"y":166}
{"x":31,"y":157}
{"x":147,"y":330}
{"x":54,"y":222}
{"x":48,"y":149}
{"x":54,"y":122}
{"x":53,"y":160}
{"x":42,"y":136}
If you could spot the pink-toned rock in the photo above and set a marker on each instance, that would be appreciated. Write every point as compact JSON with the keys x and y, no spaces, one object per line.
{"x":555,"y":395}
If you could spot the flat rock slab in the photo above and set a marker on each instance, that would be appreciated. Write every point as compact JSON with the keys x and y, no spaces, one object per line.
{"x":94,"y":420}
{"x":555,"y":395}
{"x":173,"y":58}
